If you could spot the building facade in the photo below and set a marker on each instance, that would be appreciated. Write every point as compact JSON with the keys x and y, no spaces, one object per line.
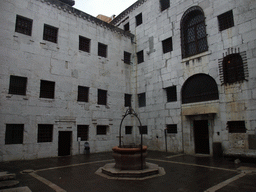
{"x":186,"y":67}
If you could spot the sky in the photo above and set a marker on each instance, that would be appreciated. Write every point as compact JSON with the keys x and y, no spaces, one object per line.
{"x":104,"y":7}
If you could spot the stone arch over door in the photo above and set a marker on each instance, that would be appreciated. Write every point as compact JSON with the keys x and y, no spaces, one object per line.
{"x":198,"y":88}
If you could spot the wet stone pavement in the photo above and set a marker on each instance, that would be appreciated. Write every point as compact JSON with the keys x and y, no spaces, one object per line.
{"x":184,"y":173}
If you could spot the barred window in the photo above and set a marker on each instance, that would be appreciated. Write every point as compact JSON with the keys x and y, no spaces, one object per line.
{"x":83,"y":94}
{"x":165,"y":4}
{"x":144,"y":130}
{"x":236,"y":126}
{"x":47,"y":89}
{"x":102,"y":97}
{"x":226,"y":20}
{"x":128,"y":130}
{"x":140,"y":57}
{"x":82,"y":132}
{"x":23,"y":25}
{"x":171,"y":93}
{"x":127,"y":100}
{"x":84,"y":44}
{"x":167,"y":45}
{"x":138,"y":19}
{"x":102,"y":50}
{"x":102,"y":129}
{"x":44,"y":133}
{"x":142,"y":99}
{"x":50,"y":33}
{"x":127,"y":57}
{"x":14,"y":134}
{"x":17,"y":85}
{"x":127,"y":27}
{"x":171,"y":128}
{"x":193,"y":32}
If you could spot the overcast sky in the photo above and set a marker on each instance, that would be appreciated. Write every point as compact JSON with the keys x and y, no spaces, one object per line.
{"x":104,"y":7}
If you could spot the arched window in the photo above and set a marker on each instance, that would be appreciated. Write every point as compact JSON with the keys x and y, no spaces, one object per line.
{"x":198,"y":88}
{"x":193,"y":32}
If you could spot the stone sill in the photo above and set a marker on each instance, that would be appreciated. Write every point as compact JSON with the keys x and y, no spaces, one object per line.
{"x":196,"y":56}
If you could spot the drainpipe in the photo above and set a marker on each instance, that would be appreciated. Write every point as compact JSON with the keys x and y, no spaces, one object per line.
{"x":165,"y":135}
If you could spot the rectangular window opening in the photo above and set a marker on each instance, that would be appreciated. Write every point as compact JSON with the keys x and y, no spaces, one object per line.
{"x":144,"y":130}
{"x":138,"y":19}
{"x":83,"y":94}
{"x":142,"y":99}
{"x":47,"y":89}
{"x":236,"y":127}
{"x":23,"y":25}
{"x":102,"y":50}
{"x":102,"y":97}
{"x":127,"y":57}
{"x":128,"y":130}
{"x":82,"y":132}
{"x":84,"y":44}
{"x":14,"y":134}
{"x":165,"y":4}
{"x":167,"y":45}
{"x":171,"y":93}
{"x":17,"y":85}
{"x":44,"y":133}
{"x":102,"y":129}
{"x":140,"y":57}
{"x":171,"y":128}
{"x":50,"y":33}
{"x":127,"y":100}
{"x":127,"y":27}
{"x":226,"y":20}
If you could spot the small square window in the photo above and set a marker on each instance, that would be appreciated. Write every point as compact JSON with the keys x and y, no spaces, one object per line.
{"x":144,"y":130}
{"x":23,"y":25}
{"x":138,"y":19}
{"x":171,"y":93}
{"x":236,"y":127}
{"x":84,"y":44}
{"x":83,"y":93}
{"x":167,"y":45}
{"x":127,"y":57}
{"x":50,"y":33}
{"x":102,"y":50}
{"x":82,"y":132}
{"x":47,"y":89}
{"x":44,"y":133}
{"x":172,"y":128}
{"x":127,"y":27}
{"x":128,"y":130}
{"x":102,"y":130}
{"x":165,"y":4}
{"x":127,"y":100}
{"x":226,"y":20}
{"x":14,"y":134}
{"x":102,"y":97}
{"x":142,"y":99}
{"x":18,"y":85}
{"x":140,"y":57}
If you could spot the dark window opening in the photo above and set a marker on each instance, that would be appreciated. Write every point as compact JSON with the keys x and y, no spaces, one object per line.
{"x":144,"y":130}
{"x":102,"y":50}
{"x":128,"y":130}
{"x":102,"y":97}
{"x":50,"y":33}
{"x":236,"y":127}
{"x":193,"y":32}
{"x":82,"y":132}
{"x":140,"y":57}
{"x":101,"y":129}
{"x":165,"y":4}
{"x":167,"y":45}
{"x":44,"y":133}
{"x":14,"y":134}
{"x":18,"y":85}
{"x":171,"y":128}
{"x":127,"y":27}
{"x":23,"y":25}
{"x":47,"y":89}
{"x":171,"y":93}
{"x":138,"y":19}
{"x":127,"y":100}
{"x":84,"y":44}
{"x":233,"y":69}
{"x":127,"y":57}
{"x":83,"y":93}
{"x":226,"y":20}
{"x":142,"y":99}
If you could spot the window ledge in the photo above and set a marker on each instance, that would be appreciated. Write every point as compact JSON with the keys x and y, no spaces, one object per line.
{"x":196,"y":56}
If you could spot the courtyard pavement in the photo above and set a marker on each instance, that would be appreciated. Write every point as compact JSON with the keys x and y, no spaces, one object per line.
{"x":183,"y":173}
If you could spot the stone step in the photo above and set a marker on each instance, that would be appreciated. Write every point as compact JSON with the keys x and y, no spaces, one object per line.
{"x":9,"y":183}
{"x":7,"y":176}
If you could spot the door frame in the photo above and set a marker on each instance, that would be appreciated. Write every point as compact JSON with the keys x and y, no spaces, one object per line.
{"x":70,"y":144}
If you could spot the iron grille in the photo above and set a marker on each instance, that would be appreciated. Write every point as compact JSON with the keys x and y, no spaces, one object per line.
{"x":127,"y":57}
{"x":128,"y":130}
{"x":127,"y":27}
{"x":84,"y":44}
{"x":140,"y":57}
{"x":47,"y":89}
{"x":50,"y":33}
{"x":198,"y":88}
{"x":102,"y":97}
{"x":226,"y":20}
{"x":17,"y":85}
{"x":102,"y":50}
{"x":101,"y":129}
{"x":23,"y":25}
{"x":144,"y":130}
{"x":138,"y":19}
{"x":82,"y":132}
{"x":83,"y":93}
{"x":171,"y":93}
{"x":165,"y":4}
{"x":127,"y":100}
{"x":172,"y":128}
{"x":167,"y":45}
{"x":14,"y":134}
{"x":44,"y":133}
{"x":236,"y":127}
{"x":142,"y":99}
